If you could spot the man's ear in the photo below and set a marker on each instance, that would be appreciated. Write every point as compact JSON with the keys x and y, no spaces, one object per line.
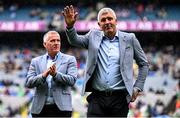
{"x":99,"y":26}
{"x":116,"y":21}
{"x":44,"y":44}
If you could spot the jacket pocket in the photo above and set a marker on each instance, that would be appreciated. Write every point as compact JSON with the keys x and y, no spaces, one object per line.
{"x":66,"y":92}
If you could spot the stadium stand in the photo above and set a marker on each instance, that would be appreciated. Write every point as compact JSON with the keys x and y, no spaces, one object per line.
{"x":130,"y":11}
{"x":162,"y":89}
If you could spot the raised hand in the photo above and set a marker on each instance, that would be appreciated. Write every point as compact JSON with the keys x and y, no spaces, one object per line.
{"x":70,"y":16}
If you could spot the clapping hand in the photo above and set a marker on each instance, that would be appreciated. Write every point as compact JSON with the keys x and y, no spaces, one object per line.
{"x":52,"y":70}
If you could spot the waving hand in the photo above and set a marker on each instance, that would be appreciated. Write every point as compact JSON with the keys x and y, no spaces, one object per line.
{"x":70,"y":16}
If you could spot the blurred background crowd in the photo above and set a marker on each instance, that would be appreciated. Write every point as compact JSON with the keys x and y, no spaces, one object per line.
{"x":161,"y":96}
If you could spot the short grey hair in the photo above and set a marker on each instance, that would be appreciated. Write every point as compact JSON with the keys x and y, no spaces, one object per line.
{"x":46,"y":36}
{"x":106,"y":10}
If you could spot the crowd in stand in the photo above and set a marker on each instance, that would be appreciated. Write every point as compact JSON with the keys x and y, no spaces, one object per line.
{"x":133,"y":10}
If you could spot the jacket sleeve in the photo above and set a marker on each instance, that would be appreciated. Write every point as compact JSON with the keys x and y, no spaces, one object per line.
{"x":142,"y":63}
{"x":71,"y":76}
{"x":77,"y":40}
{"x":34,"y":80}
